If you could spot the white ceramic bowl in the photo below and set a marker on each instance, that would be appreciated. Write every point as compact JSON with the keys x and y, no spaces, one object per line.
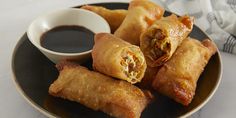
{"x":70,"y":16}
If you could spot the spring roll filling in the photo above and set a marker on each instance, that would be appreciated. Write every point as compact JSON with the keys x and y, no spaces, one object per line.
{"x":131,"y":65}
{"x":157,"y":43}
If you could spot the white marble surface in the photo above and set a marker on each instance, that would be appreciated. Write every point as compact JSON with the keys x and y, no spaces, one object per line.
{"x":16,"y":15}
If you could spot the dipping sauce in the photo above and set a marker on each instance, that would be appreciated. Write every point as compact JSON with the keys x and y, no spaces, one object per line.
{"x":68,"y":39}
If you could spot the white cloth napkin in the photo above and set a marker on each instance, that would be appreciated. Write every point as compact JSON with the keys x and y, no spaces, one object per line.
{"x":216,"y":17}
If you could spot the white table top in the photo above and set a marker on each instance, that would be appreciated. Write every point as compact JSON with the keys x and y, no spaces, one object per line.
{"x":16,"y":15}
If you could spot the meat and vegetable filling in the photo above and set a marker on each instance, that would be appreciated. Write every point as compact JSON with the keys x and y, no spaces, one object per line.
{"x":131,"y":65}
{"x":157,"y":45}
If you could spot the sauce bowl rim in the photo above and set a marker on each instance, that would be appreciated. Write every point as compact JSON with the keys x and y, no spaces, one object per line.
{"x":32,"y":40}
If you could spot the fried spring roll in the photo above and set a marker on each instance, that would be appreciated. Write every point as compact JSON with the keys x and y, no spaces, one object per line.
{"x":99,"y":92}
{"x":113,"y":17}
{"x":178,"y":77}
{"x":160,"y":41}
{"x":118,"y":58}
{"x":149,"y":76}
{"x":141,"y":14}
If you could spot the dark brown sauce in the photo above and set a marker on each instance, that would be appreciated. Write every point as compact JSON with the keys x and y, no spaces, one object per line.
{"x":68,"y":39}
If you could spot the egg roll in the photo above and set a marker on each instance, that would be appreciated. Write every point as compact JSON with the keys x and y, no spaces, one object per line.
{"x":149,"y":76}
{"x":141,"y":14}
{"x":178,"y":77}
{"x":113,"y":17}
{"x":118,"y":58}
{"x":160,"y":41}
{"x":99,"y":92}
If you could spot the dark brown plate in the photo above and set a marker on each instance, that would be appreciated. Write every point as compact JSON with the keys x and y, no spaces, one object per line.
{"x":33,"y":73}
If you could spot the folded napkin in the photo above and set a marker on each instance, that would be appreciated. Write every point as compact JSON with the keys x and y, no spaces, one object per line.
{"x":216,"y":17}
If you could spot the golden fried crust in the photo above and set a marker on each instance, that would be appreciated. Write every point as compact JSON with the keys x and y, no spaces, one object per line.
{"x":141,"y":14}
{"x":107,"y":56}
{"x":113,"y":17}
{"x":149,"y":76}
{"x":173,"y":29}
{"x":178,"y":77}
{"x":99,"y":92}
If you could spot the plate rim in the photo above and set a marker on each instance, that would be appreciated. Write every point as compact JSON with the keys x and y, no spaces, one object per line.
{"x":19,"y":88}
{"x":52,"y":115}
